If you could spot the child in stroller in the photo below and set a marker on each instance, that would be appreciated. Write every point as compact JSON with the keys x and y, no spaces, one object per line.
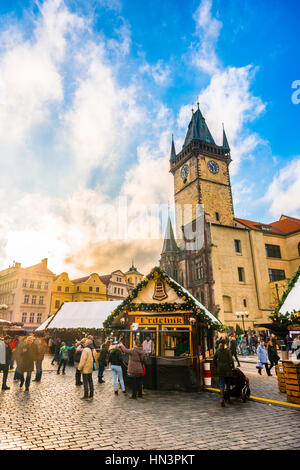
{"x":239,"y":386}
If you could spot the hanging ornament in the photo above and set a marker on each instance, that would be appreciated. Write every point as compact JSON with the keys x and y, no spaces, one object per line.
{"x":159,"y":291}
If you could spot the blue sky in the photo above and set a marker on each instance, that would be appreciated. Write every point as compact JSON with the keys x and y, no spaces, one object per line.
{"x":90,"y":93}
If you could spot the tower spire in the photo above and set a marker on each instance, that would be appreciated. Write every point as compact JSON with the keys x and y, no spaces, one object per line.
{"x":173,"y":152}
{"x":225,"y":141}
{"x":170,"y":244}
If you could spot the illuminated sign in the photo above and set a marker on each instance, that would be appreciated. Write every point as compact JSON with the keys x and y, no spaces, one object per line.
{"x":159,"y":320}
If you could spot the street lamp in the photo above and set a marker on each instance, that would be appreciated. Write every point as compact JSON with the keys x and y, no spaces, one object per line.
{"x":242,"y":315}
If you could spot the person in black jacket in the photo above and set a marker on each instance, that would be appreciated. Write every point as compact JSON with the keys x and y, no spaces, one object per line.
{"x":233,"y":349}
{"x":5,"y":365}
{"x":272,"y":354}
{"x":79,"y":346}
{"x":102,"y":361}
{"x":116,"y":360}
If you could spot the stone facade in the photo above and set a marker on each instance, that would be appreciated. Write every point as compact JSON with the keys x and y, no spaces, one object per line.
{"x":26,"y":292}
{"x":241,"y":266}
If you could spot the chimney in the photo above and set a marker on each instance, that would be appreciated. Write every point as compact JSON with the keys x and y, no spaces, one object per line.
{"x":44,"y":263}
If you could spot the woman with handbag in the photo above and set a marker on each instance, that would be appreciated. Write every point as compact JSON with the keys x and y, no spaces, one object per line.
{"x":262,"y":358}
{"x":135,"y":367}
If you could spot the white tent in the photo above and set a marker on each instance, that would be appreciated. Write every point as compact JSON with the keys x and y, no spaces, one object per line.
{"x":82,"y":315}
{"x":292,"y":302}
{"x":44,"y":324}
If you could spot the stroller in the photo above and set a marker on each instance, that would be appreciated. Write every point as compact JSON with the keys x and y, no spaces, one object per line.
{"x":239,"y":386}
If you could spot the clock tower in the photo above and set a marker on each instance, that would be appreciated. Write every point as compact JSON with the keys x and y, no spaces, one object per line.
{"x":201,"y":176}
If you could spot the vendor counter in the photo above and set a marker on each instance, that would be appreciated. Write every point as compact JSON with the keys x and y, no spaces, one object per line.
{"x":170,"y":373}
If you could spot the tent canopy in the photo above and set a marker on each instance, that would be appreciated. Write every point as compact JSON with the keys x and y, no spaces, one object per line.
{"x":292,"y":302}
{"x":81,"y":315}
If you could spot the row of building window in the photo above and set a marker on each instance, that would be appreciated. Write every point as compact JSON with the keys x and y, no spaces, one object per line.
{"x":33,"y":299}
{"x":32,"y":284}
{"x":67,"y":289}
{"x":272,"y":251}
{"x":274,"y":274}
{"x":31,"y":318}
{"x":118,"y":290}
{"x":8,"y":286}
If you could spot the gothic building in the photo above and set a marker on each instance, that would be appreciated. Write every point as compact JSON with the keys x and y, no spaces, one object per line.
{"x":238,"y":264}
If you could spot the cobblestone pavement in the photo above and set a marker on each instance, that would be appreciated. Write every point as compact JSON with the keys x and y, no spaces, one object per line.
{"x":52,"y":416}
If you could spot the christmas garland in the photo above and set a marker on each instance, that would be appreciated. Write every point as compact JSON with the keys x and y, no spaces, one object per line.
{"x":189,"y":305}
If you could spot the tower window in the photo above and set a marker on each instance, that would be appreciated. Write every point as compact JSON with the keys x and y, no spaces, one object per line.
{"x":217,"y":217}
{"x":237,"y":245}
{"x":241,"y":274}
{"x":245,"y":302}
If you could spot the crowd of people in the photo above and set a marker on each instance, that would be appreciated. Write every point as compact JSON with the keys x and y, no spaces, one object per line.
{"x":226,"y":351}
{"x":28,"y":354}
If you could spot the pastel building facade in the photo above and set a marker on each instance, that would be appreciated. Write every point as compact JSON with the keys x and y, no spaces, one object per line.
{"x":25,"y":294}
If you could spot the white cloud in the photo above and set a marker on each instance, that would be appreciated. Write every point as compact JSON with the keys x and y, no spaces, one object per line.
{"x":160,"y":72}
{"x":208,"y":29}
{"x":283,"y":193}
{"x":228,"y":97}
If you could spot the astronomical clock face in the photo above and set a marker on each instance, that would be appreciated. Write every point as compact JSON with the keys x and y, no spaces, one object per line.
{"x":213,"y":167}
{"x":184,"y":171}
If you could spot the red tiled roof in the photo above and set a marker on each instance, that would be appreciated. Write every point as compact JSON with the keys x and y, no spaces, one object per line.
{"x":80,"y":279}
{"x":287,"y":225}
{"x":105,"y":279}
{"x":283,"y":226}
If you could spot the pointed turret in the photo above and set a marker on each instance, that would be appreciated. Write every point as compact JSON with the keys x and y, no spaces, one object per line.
{"x":173,"y":152}
{"x":225,"y":141}
{"x":198,"y":130}
{"x":170,"y":244}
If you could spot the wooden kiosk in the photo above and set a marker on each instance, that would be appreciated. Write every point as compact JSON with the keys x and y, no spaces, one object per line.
{"x":180,"y":328}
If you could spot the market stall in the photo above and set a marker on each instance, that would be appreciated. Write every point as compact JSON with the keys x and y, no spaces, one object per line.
{"x":74,"y":319}
{"x":180,"y":327}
